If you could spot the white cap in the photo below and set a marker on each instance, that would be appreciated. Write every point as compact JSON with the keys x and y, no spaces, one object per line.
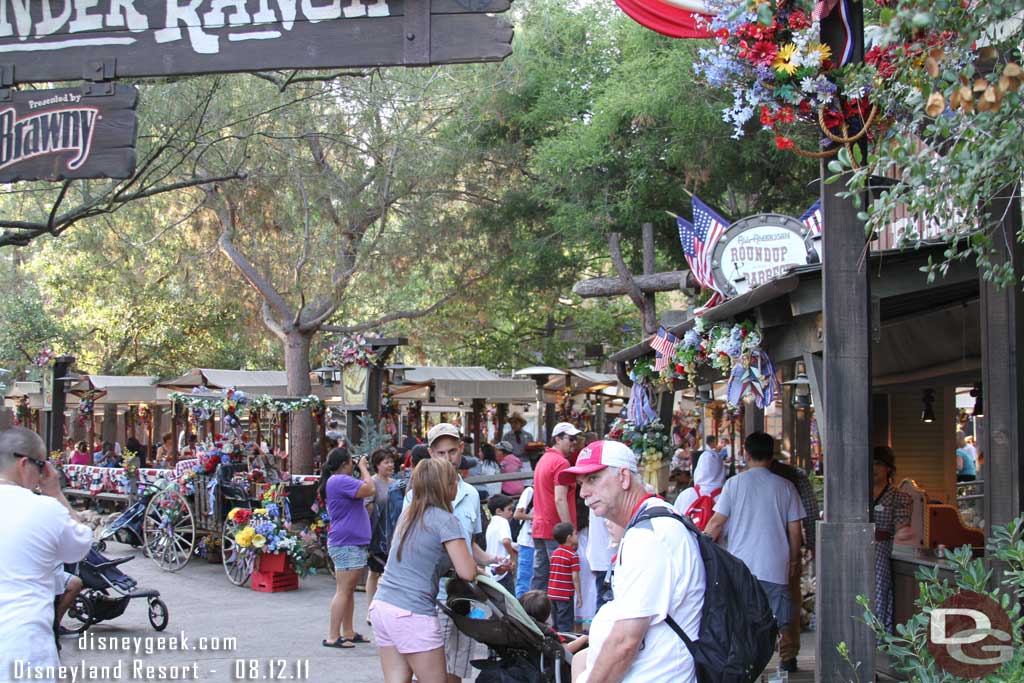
{"x":564,"y":428}
{"x":443,"y":429}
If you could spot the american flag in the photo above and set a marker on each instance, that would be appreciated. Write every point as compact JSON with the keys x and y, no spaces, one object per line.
{"x":664,"y":345}
{"x":812,"y":218}
{"x":707,"y":228}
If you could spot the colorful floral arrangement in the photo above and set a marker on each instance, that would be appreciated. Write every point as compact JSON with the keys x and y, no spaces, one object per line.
{"x":44,"y":357}
{"x":56,"y":459}
{"x":130,"y":462}
{"x":145,"y":414}
{"x":231,"y":401}
{"x":265,"y":530}
{"x":771,"y":58}
{"x":86,"y":406}
{"x":210,"y":544}
{"x":354,"y":350}
{"x":24,"y":413}
{"x":651,"y":443}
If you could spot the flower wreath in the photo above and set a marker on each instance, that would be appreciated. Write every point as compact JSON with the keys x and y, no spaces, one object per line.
{"x":354,"y":350}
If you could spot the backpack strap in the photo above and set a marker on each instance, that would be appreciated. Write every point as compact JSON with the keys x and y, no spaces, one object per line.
{"x":659,"y":511}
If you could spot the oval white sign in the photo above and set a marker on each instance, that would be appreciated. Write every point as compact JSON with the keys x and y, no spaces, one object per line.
{"x":752,"y":253}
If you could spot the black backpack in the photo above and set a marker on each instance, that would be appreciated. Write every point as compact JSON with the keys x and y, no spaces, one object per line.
{"x":737,"y":626}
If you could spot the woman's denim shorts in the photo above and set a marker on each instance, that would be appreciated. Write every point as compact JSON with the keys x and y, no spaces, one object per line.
{"x":347,"y":557}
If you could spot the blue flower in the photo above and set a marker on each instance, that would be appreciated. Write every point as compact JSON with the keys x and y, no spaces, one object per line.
{"x":273,"y":510}
{"x":691,"y":339}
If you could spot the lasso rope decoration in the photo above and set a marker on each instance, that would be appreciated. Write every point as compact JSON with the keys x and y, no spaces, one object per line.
{"x":846,"y":140}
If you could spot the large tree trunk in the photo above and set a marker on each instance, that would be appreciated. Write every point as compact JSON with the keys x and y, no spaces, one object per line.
{"x":296,"y":364}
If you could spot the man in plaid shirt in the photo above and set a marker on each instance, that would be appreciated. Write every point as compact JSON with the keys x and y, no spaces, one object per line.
{"x":789,"y":647}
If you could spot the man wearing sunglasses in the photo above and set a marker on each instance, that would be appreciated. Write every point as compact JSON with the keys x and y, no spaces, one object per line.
{"x":552,"y":502}
{"x":41,"y":531}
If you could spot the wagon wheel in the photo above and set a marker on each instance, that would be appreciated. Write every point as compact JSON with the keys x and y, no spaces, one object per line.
{"x":169,"y":530}
{"x":238,"y":561}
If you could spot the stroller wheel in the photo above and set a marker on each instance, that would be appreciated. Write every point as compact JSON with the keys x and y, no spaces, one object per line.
{"x":158,"y":614}
{"x":80,"y":615}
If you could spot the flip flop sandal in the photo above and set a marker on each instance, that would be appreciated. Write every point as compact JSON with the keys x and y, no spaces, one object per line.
{"x":341,"y":643}
{"x":358,"y":638}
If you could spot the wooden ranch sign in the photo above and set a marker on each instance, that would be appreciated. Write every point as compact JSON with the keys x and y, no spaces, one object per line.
{"x":63,"y":134}
{"x":55,"y":40}
{"x":757,"y":249}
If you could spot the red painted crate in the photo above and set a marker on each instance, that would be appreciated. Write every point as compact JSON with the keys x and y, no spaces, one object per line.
{"x":274,"y":582}
{"x":273,"y":562}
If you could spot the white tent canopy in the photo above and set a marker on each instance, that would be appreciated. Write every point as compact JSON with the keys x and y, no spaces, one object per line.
{"x":454,"y":384}
{"x":122,"y":389}
{"x":582,"y":381}
{"x":273,"y":383}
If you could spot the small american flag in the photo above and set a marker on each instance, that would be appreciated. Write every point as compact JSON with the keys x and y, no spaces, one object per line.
{"x":823,"y":8}
{"x":812,"y":218}
{"x":664,"y":345}
{"x":708,"y":229}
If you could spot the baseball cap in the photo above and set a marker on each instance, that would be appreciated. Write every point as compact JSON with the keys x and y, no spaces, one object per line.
{"x":505,"y":446}
{"x":443,"y":429}
{"x":564,"y":428}
{"x":596,"y":457}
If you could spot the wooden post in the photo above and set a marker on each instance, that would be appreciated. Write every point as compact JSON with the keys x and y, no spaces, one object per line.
{"x":753,"y":419}
{"x":1002,"y":336}
{"x":55,"y":435}
{"x":845,"y":557}
{"x":175,"y":424}
{"x":478,"y":428}
{"x":502,"y":412}
{"x":599,"y":415}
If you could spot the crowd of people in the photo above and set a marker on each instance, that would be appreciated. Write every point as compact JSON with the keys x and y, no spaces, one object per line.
{"x":565,"y":546}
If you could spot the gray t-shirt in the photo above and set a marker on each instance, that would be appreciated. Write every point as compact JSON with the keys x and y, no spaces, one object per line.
{"x":759,"y":505}
{"x":411,"y":583}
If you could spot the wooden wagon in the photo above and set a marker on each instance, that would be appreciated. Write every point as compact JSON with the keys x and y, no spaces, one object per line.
{"x":180,"y":512}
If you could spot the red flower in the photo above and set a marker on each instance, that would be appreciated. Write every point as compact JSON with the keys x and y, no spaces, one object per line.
{"x":782,"y":142}
{"x":762,"y":54}
{"x":882,"y":60}
{"x":798,"y":20}
{"x":785,"y":115}
{"x":767,"y":118}
{"x":242,"y":516}
{"x":805,"y":107}
{"x":833,"y":119}
{"x":680,"y":369}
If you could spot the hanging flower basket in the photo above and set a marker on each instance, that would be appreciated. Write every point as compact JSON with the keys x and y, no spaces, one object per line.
{"x":770,"y":56}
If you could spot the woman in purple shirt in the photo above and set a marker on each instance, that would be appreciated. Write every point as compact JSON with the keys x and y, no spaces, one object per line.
{"x":347,"y":540}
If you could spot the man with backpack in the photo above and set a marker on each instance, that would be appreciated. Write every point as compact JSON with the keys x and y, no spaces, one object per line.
{"x":760,"y":515}
{"x":657,"y":577}
{"x":698,"y":501}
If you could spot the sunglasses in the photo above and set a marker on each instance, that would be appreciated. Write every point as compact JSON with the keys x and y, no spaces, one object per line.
{"x":41,"y":464}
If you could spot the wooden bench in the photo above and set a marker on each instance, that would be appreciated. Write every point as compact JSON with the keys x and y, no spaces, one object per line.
{"x":102,"y":496}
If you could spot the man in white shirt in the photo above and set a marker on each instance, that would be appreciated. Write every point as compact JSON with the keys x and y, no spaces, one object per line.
{"x":658,"y":573}
{"x":40,"y":533}
{"x":760,"y":514}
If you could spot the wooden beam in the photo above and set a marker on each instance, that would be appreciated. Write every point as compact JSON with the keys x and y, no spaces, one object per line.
{"x":669,"y":281}
{"x":1002,"y":332}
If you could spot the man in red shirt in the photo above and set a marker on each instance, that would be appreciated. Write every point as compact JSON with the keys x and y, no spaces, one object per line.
{"x":552,"y":502}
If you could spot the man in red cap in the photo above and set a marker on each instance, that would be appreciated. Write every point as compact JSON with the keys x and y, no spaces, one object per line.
{"x":553,"y":502}
{"x":657,"y":576}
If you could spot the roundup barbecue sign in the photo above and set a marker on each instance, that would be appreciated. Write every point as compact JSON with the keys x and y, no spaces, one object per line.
{"x":758,"y":249}
{"x":55,"y":40}
{"x":64,"y":134}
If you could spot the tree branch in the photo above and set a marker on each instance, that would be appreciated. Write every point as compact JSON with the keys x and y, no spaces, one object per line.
{"x":633,"y":290}
{"x":226,"y":215}
{"x":403,"y":315}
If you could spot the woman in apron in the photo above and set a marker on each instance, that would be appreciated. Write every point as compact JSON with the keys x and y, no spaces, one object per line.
{"x":891,"y":513}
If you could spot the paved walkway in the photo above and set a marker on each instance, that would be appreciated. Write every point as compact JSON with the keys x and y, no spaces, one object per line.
{"x":236,"y":634}
{"x":275,"y":633}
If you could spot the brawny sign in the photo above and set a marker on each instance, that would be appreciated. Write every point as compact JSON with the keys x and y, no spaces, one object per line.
{"x":63,"y":134}
{"x":54,"y":40}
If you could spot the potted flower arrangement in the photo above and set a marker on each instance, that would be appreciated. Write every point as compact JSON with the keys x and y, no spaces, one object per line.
{"x":264,"y":531}
{"x":652,"y":445}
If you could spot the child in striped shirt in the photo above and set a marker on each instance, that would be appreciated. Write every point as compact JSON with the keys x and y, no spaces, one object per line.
{"x":564,"y":578}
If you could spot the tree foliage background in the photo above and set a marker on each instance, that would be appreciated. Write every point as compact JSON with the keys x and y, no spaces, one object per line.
{"x":593,"y":125}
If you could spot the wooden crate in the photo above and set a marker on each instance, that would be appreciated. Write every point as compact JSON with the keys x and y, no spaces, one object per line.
{"x":275,"y":582}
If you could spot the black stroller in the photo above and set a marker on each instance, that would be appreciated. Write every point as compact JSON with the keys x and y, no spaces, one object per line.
{"x":520,"y":650}
{"x":127,"y":528}
{"x":106,"y":594}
